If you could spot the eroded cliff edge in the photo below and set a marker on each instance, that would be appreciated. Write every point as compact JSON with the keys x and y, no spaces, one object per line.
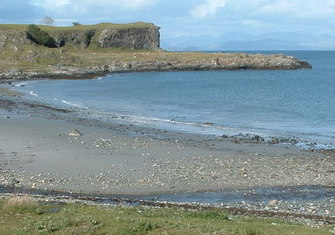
{"x":136,"y":36}
{"x":92,"y":50}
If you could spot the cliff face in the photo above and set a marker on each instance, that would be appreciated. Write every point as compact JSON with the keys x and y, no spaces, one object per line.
{"x":137,"y":36}
{"x":76,"y":39}
{"x":134,"y":38}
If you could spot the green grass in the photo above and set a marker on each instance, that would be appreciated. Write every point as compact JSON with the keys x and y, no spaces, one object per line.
{"x":20,"y":27}
{"x":32,"y":218}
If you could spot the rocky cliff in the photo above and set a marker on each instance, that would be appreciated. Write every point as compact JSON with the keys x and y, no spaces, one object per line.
{"x":77,"y":39}
{"x":136,"y":36}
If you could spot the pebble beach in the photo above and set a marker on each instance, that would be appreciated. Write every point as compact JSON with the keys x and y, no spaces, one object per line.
{"x":49,"y":149}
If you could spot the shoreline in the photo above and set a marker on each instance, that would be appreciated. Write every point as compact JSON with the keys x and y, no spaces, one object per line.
{"x":302,"y":140}
{"x":150,"y":62}
{"x":160,"y":152}
{"x":305,"y":212}
{"x":37,"y":152}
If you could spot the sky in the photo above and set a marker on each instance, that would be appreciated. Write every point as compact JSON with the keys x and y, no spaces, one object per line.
{"x":198,"y":24}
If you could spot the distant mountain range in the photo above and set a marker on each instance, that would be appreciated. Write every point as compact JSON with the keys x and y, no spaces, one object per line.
{"x":243,"y":41}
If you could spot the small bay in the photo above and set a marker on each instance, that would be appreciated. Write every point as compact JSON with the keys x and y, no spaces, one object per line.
{"x":280,"y":103}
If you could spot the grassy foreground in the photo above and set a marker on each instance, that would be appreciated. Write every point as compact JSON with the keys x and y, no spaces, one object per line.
{"x":21,"y":215}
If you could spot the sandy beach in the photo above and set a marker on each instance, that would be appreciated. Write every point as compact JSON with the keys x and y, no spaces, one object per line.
{"x":37,"y":152}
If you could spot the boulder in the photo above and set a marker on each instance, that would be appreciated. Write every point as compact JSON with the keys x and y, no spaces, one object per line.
{"x":75,"y":133}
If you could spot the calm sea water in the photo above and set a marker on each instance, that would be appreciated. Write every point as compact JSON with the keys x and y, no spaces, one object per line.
{"x":299,"y":103}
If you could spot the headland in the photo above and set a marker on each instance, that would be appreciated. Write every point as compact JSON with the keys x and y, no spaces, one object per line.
{"x":85,"y":51}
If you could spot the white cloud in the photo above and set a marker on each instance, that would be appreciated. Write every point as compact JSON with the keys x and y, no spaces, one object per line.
{"x":46,"y":4}
{"x":129,"y":4}
{"x":208,"y":8}
{"x":300,"y":8}
{"x":86,"y":5}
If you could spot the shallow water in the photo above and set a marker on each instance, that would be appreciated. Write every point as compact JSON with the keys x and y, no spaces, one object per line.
{"x":265,"y":194}
{"x":299,"y":103}
{"x":294,"y":193}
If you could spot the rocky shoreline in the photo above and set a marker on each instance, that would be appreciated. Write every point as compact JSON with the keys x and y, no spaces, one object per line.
{"x":160,"y":61}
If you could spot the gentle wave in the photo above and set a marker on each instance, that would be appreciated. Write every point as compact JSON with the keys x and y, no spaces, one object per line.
{"x":73,"y":104}
{"x":33,"y":93}
{"x":208,"y":128}
{"x":203,"y":128}
{"x":70,"y":103}
{"x":20,"y":84}
{"x":170,"y":124}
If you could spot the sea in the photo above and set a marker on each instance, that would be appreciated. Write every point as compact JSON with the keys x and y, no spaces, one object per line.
{"x":296,"y":104}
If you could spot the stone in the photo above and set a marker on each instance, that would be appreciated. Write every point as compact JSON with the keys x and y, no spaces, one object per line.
{"x":75,"y":133}
{"x":13,"y":182}
{"x":273,"y":202}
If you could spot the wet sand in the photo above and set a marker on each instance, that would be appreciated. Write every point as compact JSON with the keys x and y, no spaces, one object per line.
{"x":37,"y":152}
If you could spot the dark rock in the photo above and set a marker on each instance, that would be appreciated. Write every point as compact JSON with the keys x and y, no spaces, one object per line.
{"x":208,"y":123}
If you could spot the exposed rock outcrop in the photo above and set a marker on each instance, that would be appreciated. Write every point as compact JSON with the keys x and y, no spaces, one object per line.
{"x":217,"y":61}
{"x":164,"y":61}
{"x":146,"y":38}
{"x":136,"y":36}
{"x":8,"y":38}
{"x":78,"y":39}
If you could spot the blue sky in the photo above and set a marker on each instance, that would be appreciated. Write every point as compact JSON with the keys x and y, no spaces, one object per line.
{"x":198,"y":24}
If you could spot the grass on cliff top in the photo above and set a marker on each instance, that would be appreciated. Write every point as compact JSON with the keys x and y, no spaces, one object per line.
{"x":21,"y":215}
{"x":23,"y":27}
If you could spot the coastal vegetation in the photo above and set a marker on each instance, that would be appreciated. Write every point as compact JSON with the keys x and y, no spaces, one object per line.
{"x":23,"y":215}
{"x":39,"y":36}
